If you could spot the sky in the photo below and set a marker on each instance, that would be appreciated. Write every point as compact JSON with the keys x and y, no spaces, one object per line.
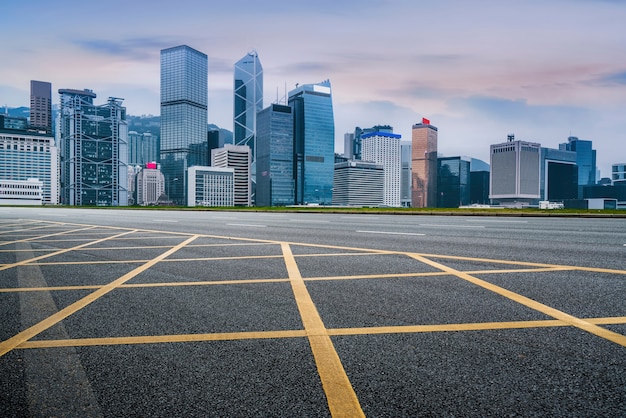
{"x":479,"y":70}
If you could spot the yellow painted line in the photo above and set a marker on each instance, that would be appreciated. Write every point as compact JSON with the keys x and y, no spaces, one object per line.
{"x":45,"y":236}
{"x":178,"y":338}
{"x":29,"y":333}
{"x":48,"y":288}
{"x":377,"y":276}
{"x":65,"y":250}
{"x":342,"y":400}
{"x":540,"y":307}
{"x":253,"y":335}
{"x":243,"y":257}
{"x":74,"y":263}
{"x":12,"y":231}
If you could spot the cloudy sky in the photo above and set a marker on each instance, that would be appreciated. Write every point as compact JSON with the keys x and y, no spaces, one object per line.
{"x":479,"y":70}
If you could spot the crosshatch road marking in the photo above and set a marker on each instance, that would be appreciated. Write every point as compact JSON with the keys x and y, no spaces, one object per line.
{"x":555,"y":313}
{"x":342,"y":400}
{"x":29,"y":333}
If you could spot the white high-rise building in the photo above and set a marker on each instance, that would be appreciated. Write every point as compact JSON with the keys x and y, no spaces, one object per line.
{"x":383,"y":148}
{"x":239,"y":158}
{"x":150,"y":185}
{"x":211,"y":186}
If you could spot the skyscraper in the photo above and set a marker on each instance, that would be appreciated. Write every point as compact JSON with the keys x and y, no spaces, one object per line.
{"x":405,"y":176}
{"x":515,"y":172}
{"x":248,"y":100}
{"x":314,"y":142}
{"x":559,"y":175}
{"x":94,"y":150}
{"x":184,"y":98}
{"x":359,"y":183}
{"x":585,"y":160}
{"x":424,"y":165}
{"x":41,"y":106}
{"x":453,"y":182}
{"x":384,"y":149}
{"x":275,"y":156}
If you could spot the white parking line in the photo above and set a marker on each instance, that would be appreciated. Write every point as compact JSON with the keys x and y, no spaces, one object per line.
{"x":390,"y":233}
{"x":496,"y":221}
{"x":249,"y":225}
{"x":164,"y":220}
{"x":453,"y":226}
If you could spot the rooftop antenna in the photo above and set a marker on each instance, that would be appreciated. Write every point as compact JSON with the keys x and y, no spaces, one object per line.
{"x":510,"y":137}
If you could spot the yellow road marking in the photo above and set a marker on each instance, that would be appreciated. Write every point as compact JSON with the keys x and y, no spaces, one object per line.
{"x":253,"y":335}
{"x":342,"y":400}
{"x":155,"y":339}
{"x":45,"y":236}
{"x":27,"y":334}
{"x":65,"y":250}
{"x":555,"y":313}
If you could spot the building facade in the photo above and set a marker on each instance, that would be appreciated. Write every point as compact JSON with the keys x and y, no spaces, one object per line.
{"x":21,"y":192}
{"x":275,"y":184}
{"x":211,"y":186}
{"x":314,"y":143}
{"x":30,"y":155}
{"x":453,"y":182}
{"x":142,"y":148}
{"x":150,"y":185}
{"x":41,"y":106}
{"x":559,"y":175}
{"x":384,"y":149}
{"x":94,"y":150}
{"x":184,"y":99}
{"x":237,"y":157}
{"x":405,"y":177}
{"x":618,"y":173}
{"x":585,"y":161}
{"x":424,"y":165}
{"x":359,"y":183}
{"x":248,"y":101}
{"x":515,"y":172}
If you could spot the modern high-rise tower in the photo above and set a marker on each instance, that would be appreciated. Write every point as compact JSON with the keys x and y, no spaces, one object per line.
{"x":184,"y":98}
{"x":424,"y":165}
{"x":585,"y":160}
{"x":275,"y":156}
{"x":384,"y":149}
{"x":248,"y":101}
{"x":314,"y":142}
{"x":94,"y":150}
{"x":41,"y":106}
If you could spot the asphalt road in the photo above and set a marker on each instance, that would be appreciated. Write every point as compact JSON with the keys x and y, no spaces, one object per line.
{"x":176,"y":313}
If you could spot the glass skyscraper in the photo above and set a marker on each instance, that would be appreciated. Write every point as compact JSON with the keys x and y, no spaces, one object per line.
{"x":453,"y":182}
{"x":248,"y":100}
{"x":585,"y":160}
{"x":424,"y":165}
{"x":314,"y":142}
{"x":184,"y":98}
{"x":275,"y":156}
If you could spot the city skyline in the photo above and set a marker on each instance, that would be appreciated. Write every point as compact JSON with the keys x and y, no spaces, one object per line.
{"x":541,"y":70}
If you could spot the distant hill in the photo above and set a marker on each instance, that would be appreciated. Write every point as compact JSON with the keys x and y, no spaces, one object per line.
{"x":20,"y":112}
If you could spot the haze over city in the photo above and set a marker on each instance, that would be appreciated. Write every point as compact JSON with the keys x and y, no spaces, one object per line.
{"x":543,"y":70}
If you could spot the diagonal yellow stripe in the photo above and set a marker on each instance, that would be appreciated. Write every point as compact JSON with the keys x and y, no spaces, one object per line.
{"x":342,"y":400}
{"x":29,"y":333}
{"x":555,"y":313}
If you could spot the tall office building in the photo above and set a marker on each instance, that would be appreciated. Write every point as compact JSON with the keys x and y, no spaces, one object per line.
{"x":142,"y":148}
{"x":314,"y":142}
{"x":41,"y":106}
{"x":248,"y":100}
{"x":275,"y":156}
{"x":184,"y":98}
{"x":28,"y":155}
{"x":585,"y":160}
{"x":94,"y":150}
{"x":150,"y":185}
{"x":238,"y":158}
{"x":424,"y":165}
{"x":453,"y":182}
{"x":384,"y":149}
{"x":515,"y":172}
